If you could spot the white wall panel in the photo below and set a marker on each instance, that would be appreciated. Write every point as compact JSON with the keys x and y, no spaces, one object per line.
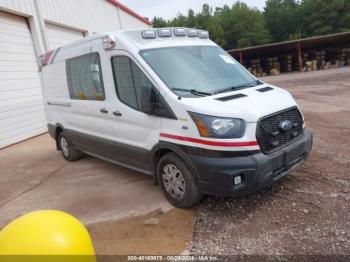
{"x":129,"y":21}
{"x":58,"y":36}
{"x":91,"y":15}
{"x":20,"y":6}
{"x":21,"y":106}
{"x":58,"y":22}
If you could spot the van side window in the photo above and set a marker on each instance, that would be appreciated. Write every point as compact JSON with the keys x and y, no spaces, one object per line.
{"x":84,"y":77}
{"x":130,"y":81}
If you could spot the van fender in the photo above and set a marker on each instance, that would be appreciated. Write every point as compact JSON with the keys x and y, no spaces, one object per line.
{"x":54,"y":131}
{"x":163,"y":148}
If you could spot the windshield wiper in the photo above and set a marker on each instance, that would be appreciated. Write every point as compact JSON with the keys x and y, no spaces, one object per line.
{"x":192,"y":91}
{"x":232,"y":88}
{"x":258,"y":82}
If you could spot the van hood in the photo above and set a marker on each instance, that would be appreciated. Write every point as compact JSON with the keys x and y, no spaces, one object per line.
{"x":249,"y":104}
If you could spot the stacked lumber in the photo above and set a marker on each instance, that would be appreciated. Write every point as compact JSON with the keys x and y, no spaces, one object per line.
{"x":287,"y":63}
{"x":334,"y":64}
{"x":341,"y":57}
{"x":344,"y":56}
{"x":308,"y":66}
{"x":295,"y":63}
{"x":321,"y":59}
{"x":314,"y":61}
{"x":256,"y":68}
{"x":274,"y":72}
{"x":273,"y":66}
{"x":320,"y":55}
{"x":305,"y":58}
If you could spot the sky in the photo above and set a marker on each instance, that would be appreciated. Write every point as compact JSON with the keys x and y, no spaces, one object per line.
{"x":170,"y":8}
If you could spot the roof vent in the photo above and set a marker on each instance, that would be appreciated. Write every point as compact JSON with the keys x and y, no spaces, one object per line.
{"x":227,"y":98}
{"x":264,"y":89}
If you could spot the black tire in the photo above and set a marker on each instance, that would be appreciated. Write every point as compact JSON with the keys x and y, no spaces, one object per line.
{"x":186,"y":192}
{"x":70,"y":154}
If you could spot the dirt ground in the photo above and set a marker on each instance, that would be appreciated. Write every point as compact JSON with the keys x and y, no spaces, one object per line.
{"x":307,"y":212}
{"x":34,"y":176}
{"x":168,"y":235}
{"x":111,"y":201}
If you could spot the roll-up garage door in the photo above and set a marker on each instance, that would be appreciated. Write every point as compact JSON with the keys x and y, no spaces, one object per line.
{"x":21,"y":105}
{"x":59,"y":36}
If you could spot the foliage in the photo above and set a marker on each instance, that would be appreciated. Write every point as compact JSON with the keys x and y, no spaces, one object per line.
{"x":240,"y":25}
{"x":282,"y":18}
{"x":159,"y":22}
{"x":322,"y":17}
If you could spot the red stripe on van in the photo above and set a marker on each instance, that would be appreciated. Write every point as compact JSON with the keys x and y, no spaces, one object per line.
{"x":209,"y":143}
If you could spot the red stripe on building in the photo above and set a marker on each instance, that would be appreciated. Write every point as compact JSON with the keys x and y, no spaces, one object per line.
{"x":209,"y":143}
{"x":129,"y":11}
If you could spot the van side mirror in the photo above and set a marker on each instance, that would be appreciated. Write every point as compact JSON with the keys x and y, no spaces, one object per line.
{"x":148,"y":101}
{"x":152,"y":103}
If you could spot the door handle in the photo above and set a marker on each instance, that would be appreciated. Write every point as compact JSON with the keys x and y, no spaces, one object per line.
{"x":104,"y":110}
{"x":117,"y":113}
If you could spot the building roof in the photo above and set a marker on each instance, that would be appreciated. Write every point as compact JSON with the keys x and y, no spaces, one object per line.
{"x":130,"y":12}
{"x":288,"y":46}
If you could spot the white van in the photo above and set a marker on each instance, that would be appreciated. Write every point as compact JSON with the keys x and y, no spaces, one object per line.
{"x":172,"y":104}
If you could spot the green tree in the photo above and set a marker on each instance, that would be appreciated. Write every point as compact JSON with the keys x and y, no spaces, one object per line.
{"x":243,"y":26}
{"x":322,"y":17}
{"x":283,"y":19}
{"x":204,"y":17}
{"x":191,"y":19}
{"x":179,"y":21}
{"x":207,"y":21}
{"x":216,"y":32}
{"x":159,"y":22}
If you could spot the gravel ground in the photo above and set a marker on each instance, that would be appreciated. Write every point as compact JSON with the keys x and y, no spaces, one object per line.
{"x":307,"y":212}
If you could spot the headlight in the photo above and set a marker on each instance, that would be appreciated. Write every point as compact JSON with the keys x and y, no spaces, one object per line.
{"x":218,"y":127}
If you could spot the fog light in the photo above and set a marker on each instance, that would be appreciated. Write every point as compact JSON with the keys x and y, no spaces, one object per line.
{"x":237,"y":180}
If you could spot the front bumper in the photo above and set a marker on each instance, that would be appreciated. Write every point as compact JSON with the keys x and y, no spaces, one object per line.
{"x":216,"y":175}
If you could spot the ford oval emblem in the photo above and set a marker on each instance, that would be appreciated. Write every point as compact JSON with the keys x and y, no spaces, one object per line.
{"x":285,"y":125}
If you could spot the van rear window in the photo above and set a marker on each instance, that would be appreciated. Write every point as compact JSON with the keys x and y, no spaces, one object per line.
{"x":84,"y":77}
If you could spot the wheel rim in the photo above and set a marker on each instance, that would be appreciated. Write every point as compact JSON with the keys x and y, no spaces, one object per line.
{"x":173,"y":181}
{"x":64,"y":147}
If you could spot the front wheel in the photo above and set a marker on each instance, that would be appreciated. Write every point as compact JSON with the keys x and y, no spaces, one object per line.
{"x":176,"y":182}
{"x":68,"y":151}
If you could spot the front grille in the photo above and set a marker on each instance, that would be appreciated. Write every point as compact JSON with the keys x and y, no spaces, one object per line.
{"x":270,"y":133}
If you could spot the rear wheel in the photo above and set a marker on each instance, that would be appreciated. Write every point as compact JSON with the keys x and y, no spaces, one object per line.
{"x":68,"y":151}
{"x":176,"y":182}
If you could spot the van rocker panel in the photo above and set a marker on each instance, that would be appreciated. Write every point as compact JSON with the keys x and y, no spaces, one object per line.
{"x":129,"y":156}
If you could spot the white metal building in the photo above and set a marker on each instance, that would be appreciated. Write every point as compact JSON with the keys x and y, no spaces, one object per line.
{"x":29,"y":28}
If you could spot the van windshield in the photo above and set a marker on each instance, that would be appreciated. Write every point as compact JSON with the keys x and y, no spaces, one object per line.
{"x":198,"y":70}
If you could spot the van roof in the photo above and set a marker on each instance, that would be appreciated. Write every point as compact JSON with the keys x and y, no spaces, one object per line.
{"x":145,"y":38}
{"x":138,"y":36}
